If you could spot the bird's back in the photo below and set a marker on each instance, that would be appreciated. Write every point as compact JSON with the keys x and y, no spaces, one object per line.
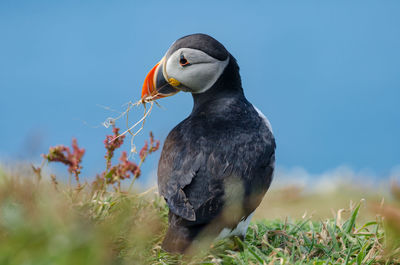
{"x":219,"y":160}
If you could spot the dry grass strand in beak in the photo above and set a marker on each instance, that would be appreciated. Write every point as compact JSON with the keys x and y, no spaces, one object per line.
{"x":111,"y":121}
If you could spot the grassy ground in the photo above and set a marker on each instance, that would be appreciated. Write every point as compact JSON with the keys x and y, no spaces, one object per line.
{"x":295,"y":202}
{"x":42,"y":222}
{"x":45,"y":221}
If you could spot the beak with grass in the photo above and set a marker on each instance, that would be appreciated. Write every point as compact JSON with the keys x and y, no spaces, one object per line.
{"x":218,"y":163}
{"x":156,"y":86}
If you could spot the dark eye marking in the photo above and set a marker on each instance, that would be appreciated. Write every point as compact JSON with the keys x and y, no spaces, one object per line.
{"x":183,"y":61}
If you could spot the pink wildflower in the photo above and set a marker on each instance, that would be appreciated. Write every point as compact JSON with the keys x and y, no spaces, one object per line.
{"x":111,"y":143}
{"x":63,"y":154}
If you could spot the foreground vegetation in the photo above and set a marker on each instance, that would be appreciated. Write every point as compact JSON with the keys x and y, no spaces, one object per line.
{"x":44,"y":221}
{"x":40,"y":225}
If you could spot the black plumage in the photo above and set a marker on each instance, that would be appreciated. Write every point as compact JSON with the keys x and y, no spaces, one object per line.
{"x":217,"y":164}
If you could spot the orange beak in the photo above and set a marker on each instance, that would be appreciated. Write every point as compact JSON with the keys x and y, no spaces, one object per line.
{"x":155,"y":85}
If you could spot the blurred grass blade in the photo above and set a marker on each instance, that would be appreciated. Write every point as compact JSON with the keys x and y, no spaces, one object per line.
{"x":351,"y":223}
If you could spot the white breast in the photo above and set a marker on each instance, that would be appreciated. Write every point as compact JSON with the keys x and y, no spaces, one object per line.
{"x":239,"y":230}
{"x":262,"y":116}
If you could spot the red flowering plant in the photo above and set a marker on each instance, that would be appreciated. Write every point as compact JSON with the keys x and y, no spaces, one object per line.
{"x":111,"y":143}
{"x":63,"y":154}
{"x":113,"y":174}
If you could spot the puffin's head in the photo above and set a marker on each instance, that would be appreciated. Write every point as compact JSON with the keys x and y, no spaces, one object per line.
{"x":192,"y":64}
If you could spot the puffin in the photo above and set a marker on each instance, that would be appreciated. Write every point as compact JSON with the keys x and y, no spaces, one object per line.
{"x":218,"y":163}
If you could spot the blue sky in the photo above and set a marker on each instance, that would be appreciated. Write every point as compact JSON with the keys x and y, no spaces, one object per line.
{"x":327,"y":74}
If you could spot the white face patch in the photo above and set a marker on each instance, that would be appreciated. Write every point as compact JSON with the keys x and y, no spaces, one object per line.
{"x":201,"y":73}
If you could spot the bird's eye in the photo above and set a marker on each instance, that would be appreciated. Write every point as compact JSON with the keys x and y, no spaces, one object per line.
{"x":183,"y":61}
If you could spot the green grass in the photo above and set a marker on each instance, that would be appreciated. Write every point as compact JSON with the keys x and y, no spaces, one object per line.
{"x":299,"y":242}
{"x":45,"y":224}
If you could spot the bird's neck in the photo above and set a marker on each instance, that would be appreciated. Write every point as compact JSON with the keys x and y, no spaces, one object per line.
{"x":227,"y":87}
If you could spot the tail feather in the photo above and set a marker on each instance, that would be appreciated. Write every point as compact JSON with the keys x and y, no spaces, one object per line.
{"x":182,"y":234}
{"x":177,"y":240}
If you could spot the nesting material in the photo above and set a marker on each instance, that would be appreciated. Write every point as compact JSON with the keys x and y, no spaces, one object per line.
{"x":138,"y":126}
